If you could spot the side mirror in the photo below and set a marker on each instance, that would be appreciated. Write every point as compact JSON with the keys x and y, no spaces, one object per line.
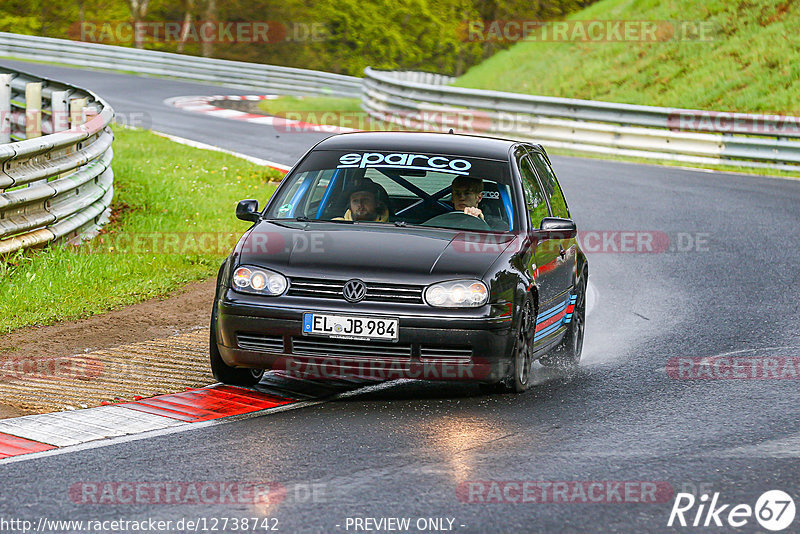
{"x":247,"y":210}
{"x":558,"y":228}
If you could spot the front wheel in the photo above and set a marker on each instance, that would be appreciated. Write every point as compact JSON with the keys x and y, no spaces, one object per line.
{"x":523,"y":345}
{"x":224,"y":372}
{"x":567,"y":354}
{"x":521,"y":361}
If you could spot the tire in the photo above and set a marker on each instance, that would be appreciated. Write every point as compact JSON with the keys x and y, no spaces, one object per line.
{"x":566,"y":356}
{"x":225,"y":373}
{"x":520,"y":378}
{"x":523,"y":347}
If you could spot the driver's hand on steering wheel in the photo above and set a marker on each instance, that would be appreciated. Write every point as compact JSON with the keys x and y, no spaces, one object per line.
{"x":475,"y":212}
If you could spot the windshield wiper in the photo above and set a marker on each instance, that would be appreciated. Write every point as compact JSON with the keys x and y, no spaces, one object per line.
{"x":305,"y":219}
{"x":404,"y":224}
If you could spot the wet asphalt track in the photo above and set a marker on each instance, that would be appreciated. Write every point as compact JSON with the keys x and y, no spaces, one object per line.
{"x":402,"y":451}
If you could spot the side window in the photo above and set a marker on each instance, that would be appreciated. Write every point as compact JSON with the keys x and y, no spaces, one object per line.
{"x":551,"y":186}
{"x":534,"y":197}
{"x":293,"y":196}
{"x":318,"y":189}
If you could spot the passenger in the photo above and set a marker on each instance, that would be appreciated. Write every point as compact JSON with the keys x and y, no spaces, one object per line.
{"x":365,"y":204}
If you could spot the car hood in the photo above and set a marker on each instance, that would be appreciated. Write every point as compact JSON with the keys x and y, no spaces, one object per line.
{"x":380,"y":252}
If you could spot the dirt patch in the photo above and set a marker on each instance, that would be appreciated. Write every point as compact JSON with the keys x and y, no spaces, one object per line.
{"x":187,"y":310}
{"x":248,"y":106}
{"x":10,"y":411}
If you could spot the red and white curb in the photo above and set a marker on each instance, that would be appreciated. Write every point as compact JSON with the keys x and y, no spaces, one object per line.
{"x":37,"y":433}
{"x":203,"y":104}
{"x":34,"y":436}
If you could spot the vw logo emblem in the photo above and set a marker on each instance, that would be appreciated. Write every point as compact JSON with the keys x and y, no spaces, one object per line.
{"x":354,"y":290}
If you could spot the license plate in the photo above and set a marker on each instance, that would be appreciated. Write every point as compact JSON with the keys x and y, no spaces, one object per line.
{"x":350,"y":327}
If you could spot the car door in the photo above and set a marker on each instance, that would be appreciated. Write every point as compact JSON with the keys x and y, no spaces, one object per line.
{"x":541,"y":259}
{"x":560,"y":258}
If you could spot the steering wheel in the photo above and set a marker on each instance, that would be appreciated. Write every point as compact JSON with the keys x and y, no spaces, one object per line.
{"x":457,"y":220}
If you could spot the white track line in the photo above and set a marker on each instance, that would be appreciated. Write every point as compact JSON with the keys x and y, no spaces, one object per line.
{"x":252,"y":159}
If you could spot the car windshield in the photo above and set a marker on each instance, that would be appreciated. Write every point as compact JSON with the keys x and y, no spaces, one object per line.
{"x":436,"y":190}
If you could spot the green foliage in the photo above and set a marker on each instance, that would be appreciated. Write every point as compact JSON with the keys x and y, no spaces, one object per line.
{"x":412,"y":34}
{"x":172,"y":222}
{"x":749,"y":63}
{"x":19,"y":24}
{"x":333,"y":35}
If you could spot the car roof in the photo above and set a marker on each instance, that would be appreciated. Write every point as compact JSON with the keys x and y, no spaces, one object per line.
{"x":421,"y":142}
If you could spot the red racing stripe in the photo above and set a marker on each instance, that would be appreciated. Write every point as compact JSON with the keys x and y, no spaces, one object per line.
{"x":557,"y":317}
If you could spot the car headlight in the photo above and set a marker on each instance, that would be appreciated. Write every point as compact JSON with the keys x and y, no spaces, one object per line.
{"x":259,"y":281}
{"x":457,"y":294}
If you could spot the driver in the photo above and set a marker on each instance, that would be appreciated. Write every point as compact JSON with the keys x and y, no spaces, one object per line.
{"x":466,"y":194}
{"x":365,"y":204}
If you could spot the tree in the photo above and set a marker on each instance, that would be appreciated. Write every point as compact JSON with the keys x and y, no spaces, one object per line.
{"x":138,"y":10}
{"x":187,"y":22}
{"x":211,"y":18}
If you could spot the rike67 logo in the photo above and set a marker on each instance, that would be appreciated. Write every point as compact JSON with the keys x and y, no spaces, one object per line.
{"x":774,"y":510}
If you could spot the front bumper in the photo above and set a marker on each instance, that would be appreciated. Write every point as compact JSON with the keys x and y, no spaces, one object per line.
{"x":433,"y":344}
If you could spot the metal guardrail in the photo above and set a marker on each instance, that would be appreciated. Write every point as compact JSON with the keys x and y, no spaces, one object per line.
{"x":422,"y":100}
{"x":58,"y":185}
{"x":686,"y":135}
{"x":238,"y":74}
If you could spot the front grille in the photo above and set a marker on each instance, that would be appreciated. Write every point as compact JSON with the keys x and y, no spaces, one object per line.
{"x":430,"y":352}
{"x":376,"y":292}
{"x":348,"y":348}
{"x":259,"y":342}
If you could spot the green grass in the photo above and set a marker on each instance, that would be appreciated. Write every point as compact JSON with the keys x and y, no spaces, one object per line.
{"x":751,"y":63}
{"x":330,"y":111}
{"x":283,"y":104}
{"x":163,"y":190}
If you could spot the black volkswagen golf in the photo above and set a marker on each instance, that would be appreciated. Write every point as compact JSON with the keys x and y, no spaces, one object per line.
{"x":405,"y":255}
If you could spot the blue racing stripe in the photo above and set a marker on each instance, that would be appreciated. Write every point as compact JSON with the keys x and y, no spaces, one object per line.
{"x":552,"y":327}
{"x":547,"y":331}
{"x":552,"y":311}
